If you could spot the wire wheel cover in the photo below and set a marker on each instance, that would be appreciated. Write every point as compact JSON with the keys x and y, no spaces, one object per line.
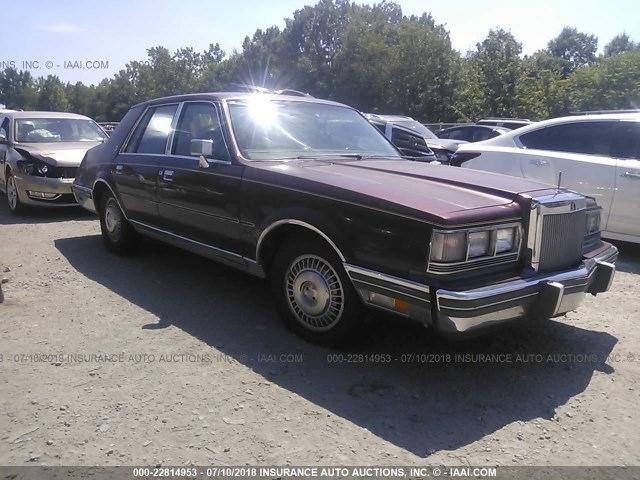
{"x":314,"y":292}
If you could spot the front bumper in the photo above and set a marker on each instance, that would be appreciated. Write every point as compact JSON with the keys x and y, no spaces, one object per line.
{"x":45,"y":192}
{"x":458,"y":313}
{"x":84,"y":197}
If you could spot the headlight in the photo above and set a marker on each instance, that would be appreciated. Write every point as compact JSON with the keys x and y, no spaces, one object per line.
{"x":26,"y":168}
{"x":593,"y":222}
{"x":449,"y":247}
{"x":462,"y":249}
{"x":505,"y":239}
{"x":479,"y":243}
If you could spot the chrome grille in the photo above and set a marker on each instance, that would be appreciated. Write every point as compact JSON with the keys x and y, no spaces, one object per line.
{"x":562,"y":239}
{"x":556,"y":231}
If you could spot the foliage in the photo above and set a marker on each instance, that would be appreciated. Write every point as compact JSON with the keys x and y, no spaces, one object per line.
{"x":372,"y":57}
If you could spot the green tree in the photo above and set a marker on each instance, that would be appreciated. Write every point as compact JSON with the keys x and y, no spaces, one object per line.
{"x":492,"y":72}
{"x":576,"y":49}
{"x":613,"y":83}
{"x":621,"y":43}
{"x":52,"y":95}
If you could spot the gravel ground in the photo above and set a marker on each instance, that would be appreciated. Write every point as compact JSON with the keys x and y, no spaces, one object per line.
{"x":166,"y":358}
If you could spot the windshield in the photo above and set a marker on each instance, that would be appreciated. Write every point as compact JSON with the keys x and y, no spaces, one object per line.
{"x":54,"y":130}
{"x":416,"y":127}
{"x":267,"y":129}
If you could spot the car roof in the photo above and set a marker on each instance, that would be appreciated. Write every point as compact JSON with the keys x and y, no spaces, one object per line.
{"x":505,"y":138}
{"x":221,"y":96}
{"x":41,"y":114}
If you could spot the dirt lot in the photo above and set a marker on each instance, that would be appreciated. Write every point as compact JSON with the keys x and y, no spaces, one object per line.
{"x":168,"y":358}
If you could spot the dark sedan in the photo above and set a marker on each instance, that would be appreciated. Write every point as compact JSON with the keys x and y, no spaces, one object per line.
{"x":308,"y":194}
{"x":472,"y":133}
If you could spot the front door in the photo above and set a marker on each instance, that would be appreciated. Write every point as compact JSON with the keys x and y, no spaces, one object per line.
{"x":199,"y":199}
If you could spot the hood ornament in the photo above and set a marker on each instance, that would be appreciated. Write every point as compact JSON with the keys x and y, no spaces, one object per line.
{"x":559,"y":179}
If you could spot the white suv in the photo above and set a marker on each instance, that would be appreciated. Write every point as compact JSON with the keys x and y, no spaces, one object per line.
{"x":596,"y":155}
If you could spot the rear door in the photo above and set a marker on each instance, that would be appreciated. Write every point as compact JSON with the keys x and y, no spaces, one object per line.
{"x":580,"y":150}
{"x":624,"y":218}
{"x":136,"y":168}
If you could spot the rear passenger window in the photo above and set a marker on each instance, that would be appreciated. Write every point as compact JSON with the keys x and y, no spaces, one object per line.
{"x":627,"y":141}
{"x":152,"y":133}
{"x":591,"y":138}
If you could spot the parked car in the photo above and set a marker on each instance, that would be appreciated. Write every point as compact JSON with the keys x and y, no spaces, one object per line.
{"x":472,"y":133}
{"x":405,"y":132}
{"x":308,"y":194}
{"x":597,"y":155}
{"x":108,"y":127}
{"x":510,"y":123}
{"x":39,"y":156}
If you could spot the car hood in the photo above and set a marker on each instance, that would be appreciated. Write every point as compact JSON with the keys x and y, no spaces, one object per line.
{"x":67,"y":154}
{"x":432,"y":192}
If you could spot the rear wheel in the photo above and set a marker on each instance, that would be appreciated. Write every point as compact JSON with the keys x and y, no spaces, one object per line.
{"x":314,"y":294}
{"x":117,"y":233}
{"x":13,"y":200}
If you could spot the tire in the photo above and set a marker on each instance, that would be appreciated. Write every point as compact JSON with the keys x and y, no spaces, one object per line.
{"x":314,"y":295}
{"x":16,"y":207}
{"x":117,"y":233}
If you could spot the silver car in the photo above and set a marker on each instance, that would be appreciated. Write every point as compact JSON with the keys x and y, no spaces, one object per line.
{"x":39,"y":156}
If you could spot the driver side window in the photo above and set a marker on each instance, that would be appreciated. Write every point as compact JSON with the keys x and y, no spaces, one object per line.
{"x":199,"y":121}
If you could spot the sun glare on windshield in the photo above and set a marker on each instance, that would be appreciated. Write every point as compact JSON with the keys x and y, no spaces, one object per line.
{"x":262,"y":111}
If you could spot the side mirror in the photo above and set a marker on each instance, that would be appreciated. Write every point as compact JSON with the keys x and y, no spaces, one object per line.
{"x":3,"y":135}
{"x":200,"y":147}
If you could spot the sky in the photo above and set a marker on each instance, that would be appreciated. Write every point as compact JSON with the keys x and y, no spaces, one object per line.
{"x":47,"y":37}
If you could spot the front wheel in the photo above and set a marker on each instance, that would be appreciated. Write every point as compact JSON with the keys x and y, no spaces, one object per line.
{"x":13,"y":199}
{"x":314,"y":294}
{"x":117,"y":233}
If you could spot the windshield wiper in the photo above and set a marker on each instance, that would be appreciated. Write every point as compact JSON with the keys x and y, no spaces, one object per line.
{"x":355,"y":156}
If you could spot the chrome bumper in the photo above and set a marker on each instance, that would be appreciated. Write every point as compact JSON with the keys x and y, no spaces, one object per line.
{"x":471,"y":311}
{"x":84,"y":197}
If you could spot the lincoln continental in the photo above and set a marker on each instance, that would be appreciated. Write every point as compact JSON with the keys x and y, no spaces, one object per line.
{"x":309,"y":195}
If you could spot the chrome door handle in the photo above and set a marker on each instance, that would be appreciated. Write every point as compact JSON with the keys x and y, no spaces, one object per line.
{"x":119,"y":169}
{"x":540,"y":163}
{"x":167,"y":176}
{"x":630,"y":175}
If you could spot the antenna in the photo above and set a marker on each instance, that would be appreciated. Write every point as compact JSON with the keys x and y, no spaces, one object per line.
{"x":559,"y":179}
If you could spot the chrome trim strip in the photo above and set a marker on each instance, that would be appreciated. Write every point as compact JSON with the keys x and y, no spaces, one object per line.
{"x":290,"y":221}
{"x":210,"y":160}
{"x":390,"y":290}
{"x":200,"y":212}
{"x":386,"y":278}
{"x":180,"y":237}
{"x":86,"y":190}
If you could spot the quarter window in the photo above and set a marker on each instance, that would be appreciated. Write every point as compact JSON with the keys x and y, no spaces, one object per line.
{"x":152,"y":133}
{"x":199,"y":121}
{"x":591,"y":138}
